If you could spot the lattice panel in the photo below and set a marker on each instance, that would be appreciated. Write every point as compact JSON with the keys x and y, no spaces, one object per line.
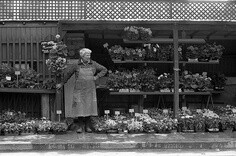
{"x":203,"y":11}
{"x":116,"y":10}
{"x":39,"y":10}
{"x":124,"y":10}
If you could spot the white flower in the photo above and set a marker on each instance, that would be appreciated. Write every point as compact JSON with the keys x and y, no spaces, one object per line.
{"x":58,"y":36}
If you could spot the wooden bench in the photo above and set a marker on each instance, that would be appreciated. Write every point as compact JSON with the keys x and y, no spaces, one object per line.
{"x":142,"y":95}
{"x":44,"y":93}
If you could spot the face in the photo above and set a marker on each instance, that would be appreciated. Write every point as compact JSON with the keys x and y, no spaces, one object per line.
{"x":87,"y":56}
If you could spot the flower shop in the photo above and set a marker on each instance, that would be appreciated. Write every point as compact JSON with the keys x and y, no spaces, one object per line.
{"x":171,"y":68}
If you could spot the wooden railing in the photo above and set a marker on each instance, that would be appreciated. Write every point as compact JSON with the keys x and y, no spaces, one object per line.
{"x":118,"y":10}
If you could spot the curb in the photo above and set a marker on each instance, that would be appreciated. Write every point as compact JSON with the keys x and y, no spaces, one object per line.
{"x":117,"y":146}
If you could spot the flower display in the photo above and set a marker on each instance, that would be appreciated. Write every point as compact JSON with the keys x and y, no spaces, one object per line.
{"x":117,"y":52}
{"x":192,"y":52}
{"x":59,"y":127}
{"x":57,"y":53}
{"x":196,"y":82}
{"x":137,"y":79}
{"x":218,"y":81}
{"x":165,"y":80}
{"x":131,"y":33}
{"x":145,"y":33}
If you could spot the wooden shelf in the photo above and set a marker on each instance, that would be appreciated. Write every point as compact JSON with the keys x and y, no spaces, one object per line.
{"x":27,"y":90}
{"x":167,"y":62}
{"x":167,"y":40}
{"x":159,"y":93}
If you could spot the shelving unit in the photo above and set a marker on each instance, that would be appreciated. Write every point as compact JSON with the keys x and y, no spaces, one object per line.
{"x":175,"y":40}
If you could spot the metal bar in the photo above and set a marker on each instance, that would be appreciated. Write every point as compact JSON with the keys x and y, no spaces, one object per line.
{"x":176,"y":72}
{"x":13,"y":35}
{"x":8,"y":47}
{"x":19,"y":41}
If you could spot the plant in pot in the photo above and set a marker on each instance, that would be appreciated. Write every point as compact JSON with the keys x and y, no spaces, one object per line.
{"x":226,"y":124}
{"x":216,"y":51}
{"x":131,"y":33}
{"x":164,"y":53}
{"x":199,"y":123}
{"x":147,"y":80}
{"x":134,"y":126}
{"x":145,"y":33}
{"x":192,"y":53}
{"x":186,"y":123}
{"x":218,"y":81}
{"x":115,"y":51}
{"x":211,"y":121}
{"x":165,"y":82}
{"x":204,"y":53}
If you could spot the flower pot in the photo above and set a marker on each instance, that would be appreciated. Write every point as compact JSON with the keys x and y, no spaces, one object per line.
{"x":124,"y":90}
{"x":193,"y":60}
{"x":116,"y":60}
{"x":150,"y":131}
{"x":134,"y":132}
{"x":228,"y":130}
{"x":188,"y":90}
{"x":203,"y":60}
{"x":112,"y":131}
{"x":213,"y":130}
{"x":214,"y":61}
{"x":165,"y":90}
{"x":187,"y":130}
{"x":134,"y":90}
{"x":59,"y":133}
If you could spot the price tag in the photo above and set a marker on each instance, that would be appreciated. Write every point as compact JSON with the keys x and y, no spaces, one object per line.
{"x":58,"y":111}
{"x":145,"y":111}
{"x":17,"y":72}
{"x":117,"y":112}
{"x":234,"y":110}
{"x":199,"y":110}
{"x":131,"y":110}
{"x":107,"y":111}
{"x":165,"y":111}
{"x":136,"y":114}
{"x":184,"y":108}
{"x":8,"y":78}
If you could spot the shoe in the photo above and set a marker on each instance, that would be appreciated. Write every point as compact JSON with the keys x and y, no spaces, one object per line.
{"x":80,"y":130}
{"x":88,"y":130}
{"x":87,"y":125}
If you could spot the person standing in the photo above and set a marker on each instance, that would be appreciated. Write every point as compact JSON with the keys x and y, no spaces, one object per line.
{"x":84,"y":96}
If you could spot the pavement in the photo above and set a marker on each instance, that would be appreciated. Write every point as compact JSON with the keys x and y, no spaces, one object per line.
{"x":93,"y":141}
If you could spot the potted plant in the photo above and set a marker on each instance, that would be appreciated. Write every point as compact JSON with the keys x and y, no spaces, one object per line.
{"x":218,"y":81}
{"x":131,"y":33}
{"x":211,"y":121}
{"x":145,"y":33}
{"x":192,"y":53}
{"x":59,"y":127}
{"x":134,"y":126}
{"x":216,"y":52}
{"x":165,"y":82}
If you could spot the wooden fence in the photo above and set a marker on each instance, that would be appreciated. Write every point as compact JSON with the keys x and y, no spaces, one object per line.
{"x":20,"y":45}
{"x":118,"y":10}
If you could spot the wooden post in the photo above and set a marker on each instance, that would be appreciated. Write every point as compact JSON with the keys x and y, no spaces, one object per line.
{"x":176,"y":71}
{"x":45,"y":105}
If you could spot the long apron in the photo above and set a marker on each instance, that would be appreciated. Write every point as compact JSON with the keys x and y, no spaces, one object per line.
{"x":84,"y":96}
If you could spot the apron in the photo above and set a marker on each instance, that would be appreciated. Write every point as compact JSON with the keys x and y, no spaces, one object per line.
{"x":84,"y":95}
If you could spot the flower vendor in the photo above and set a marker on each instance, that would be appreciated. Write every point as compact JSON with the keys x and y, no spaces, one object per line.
{"x":84,"y":96}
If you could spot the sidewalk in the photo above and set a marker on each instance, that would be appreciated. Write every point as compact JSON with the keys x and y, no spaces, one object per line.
{"x":92,"y":141}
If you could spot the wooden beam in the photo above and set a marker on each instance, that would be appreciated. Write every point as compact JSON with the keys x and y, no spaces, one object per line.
{"x":168,"y":40}
{"x":229,"y":33}
{"x":192,"y":34}
{"x":210,"y":34}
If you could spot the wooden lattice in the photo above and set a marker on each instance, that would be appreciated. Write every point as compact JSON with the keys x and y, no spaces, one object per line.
{"x":116,"y":10}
